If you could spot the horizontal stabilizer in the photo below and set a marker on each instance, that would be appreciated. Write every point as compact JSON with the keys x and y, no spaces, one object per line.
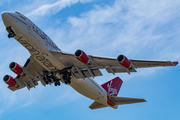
{"x":117,"y":101}
{"x":124,"y":100}
{"x":96,"y":105}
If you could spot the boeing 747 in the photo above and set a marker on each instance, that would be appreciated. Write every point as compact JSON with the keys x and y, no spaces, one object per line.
{"x":49,"y":65}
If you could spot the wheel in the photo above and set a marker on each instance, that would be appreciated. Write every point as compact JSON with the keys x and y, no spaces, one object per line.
{"x":58,"y":83}
{"x":55,"y":84}
{"x":9,"y":35}
{"x":65,"y":82}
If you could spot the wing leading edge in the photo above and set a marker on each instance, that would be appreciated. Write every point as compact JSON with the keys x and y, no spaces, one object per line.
{"x":148,"y":63}
{"x":92,"y":69}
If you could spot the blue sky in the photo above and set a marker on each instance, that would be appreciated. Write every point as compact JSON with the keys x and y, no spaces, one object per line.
{"x":147,"y":29}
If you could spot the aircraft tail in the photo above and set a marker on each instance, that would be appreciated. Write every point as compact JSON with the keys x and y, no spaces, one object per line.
{"x":117,"y":101}
{"x":112,"y":87}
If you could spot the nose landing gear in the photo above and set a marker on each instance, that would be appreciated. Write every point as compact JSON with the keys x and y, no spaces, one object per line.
{"x":10,"y":35}
{"x":11,"y":32}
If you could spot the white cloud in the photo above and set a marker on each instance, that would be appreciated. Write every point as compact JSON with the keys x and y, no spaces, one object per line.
{"x":1,"y":111}
{"x":4,"y":1}
{"x":54,"y":7}
{"x":131,"y":28}
{"x":24,"y":105}
{"x":2,"y":31}
{"x":138,"y":29}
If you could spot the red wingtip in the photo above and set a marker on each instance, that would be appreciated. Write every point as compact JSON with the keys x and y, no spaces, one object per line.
{"x":175,"y":63}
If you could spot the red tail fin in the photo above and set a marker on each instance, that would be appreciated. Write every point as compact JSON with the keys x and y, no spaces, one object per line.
{"x":112,"y":87}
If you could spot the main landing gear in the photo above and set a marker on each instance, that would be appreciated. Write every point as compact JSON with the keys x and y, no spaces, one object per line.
{"x":49,"y":78}
{"x":67,"y":77}
{"x":54,"y":77}
{"x":57,"y":83}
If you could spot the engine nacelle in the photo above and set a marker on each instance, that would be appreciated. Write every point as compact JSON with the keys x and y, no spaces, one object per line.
{"x":16,"y":68}
{"x":81,"y":56}
{"x":124,"y":61}
{"x":9,"y":80}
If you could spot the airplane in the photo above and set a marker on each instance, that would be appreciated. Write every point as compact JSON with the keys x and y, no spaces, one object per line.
{"x":50,"y":65}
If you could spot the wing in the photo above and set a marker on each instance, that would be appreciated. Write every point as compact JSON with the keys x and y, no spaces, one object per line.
{"x":91,"y":69}
{"x":30,"y":79}
{"x":148,"y":63}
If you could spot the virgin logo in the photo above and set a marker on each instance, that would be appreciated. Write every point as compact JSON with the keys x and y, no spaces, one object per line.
{"x":111,"y":91}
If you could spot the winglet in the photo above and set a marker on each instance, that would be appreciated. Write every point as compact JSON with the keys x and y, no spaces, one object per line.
{"x":175,"y":63}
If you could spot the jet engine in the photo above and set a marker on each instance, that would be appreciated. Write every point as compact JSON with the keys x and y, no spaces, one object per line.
{"x":16,"y":68}
{"x":82,"y":56}
{"x":9,"y":80}
{"x":124,"y":61}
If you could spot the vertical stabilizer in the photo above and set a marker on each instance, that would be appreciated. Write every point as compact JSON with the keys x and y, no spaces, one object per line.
{"x":112,"y":87}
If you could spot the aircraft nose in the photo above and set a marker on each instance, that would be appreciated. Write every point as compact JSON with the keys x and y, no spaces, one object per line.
{"x":6,"y":18}
{"x":4,"y":15}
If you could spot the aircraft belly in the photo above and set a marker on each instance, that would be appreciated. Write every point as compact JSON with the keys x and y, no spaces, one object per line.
{"x":40,"y":54}
{"x":86,"y":88}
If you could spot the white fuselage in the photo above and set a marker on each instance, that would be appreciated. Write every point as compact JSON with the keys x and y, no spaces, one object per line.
{"x":39,"y":45}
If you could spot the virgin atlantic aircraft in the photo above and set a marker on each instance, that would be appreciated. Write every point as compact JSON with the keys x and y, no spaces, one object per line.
{"x":48,"y":64}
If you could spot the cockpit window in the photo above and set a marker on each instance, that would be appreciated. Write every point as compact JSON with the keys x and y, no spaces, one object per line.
{"x":17,"y":12}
